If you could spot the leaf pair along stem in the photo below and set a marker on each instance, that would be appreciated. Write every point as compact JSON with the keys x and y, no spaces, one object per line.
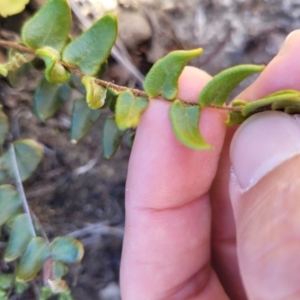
{"x":118,"y":88}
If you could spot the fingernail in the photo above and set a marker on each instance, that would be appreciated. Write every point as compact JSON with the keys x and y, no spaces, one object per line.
{"x":262,"y":143}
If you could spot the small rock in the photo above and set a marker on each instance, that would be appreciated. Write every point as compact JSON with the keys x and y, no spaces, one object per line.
{"x":111,"y":292}
{"x":134,"y":28}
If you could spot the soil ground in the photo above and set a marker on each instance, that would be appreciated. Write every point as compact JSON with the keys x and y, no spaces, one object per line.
{"x":75,"y":190}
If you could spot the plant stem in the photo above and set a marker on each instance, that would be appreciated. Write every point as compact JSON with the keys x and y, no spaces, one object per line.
{"x":20,"y":188}
{"x":118,"y":88}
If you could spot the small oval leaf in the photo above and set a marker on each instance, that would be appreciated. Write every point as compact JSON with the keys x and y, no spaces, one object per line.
{"x":6,"y":281}
{"x":28,"y":155}
{"x":66,"y":249}
{"x":50,"y":26}
{"x":111,"y":137}
{"x":129,"y":109}
{"x":4,"y":126}
{"x":19,"y":238}
{"x":10,"y":203}
{"x":90,"y":50}
{"x":185,"y":124}
{"x":9,"y":8}
{"x":55,"y":72}
{"x":32,"y":260}
{"x":219,"y":88}
{"x":95,"y":94}
{"x":162,"y":78}
{"x":48,"y":98}
{"x":83,"y":119}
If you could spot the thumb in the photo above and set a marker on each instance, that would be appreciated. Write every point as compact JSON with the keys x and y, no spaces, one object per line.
{"x":265,"y":194}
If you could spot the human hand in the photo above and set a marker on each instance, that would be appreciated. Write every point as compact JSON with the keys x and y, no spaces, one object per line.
{"x":186,"y":235}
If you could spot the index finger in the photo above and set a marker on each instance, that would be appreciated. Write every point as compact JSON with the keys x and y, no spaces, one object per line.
{"x":166,"y":252}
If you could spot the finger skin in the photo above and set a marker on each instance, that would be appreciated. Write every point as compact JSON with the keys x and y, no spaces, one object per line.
{"x":166,"y":252}
{"x":224,"y":255}
{"x":268,"y":231}
{"x":267,"y":216}
{"x":283,"y":72}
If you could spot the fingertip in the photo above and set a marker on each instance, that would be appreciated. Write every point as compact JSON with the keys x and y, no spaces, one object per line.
{"x":191,"y":82}
{"x":281,"y":73}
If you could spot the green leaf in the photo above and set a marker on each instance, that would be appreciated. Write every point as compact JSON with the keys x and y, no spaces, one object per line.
{"x":75,"y":82}
{"x":59,"y":269}
{"x":32,"y":260}
{"x":55,"y":72}
{"x":10,"y":202}
{"x":50,"y":26}
{"x":6,"y":281}
{"x":14,"y":77}
{"x":17,"y":60}
{"x":90,"y":50}
{"x":20,"y":287}
{"x":4,"y":126}
{"x":103,"y":69}
{"x":185,"y":124}
{"x":83,"y":119}
{"x":48,"y":98}
{"x":66,"y":249}
{"x":11,"y":7}
{"x":111,"y":137}
{"x":219,"y":88}
{"x":66,"y":296}
{"x":19,"y":238}
{"x":162,"y":78}
{"x":239,"y":102}
{"x":235,"y":118}
{"x":294,"y":109}
{"x":95,"y":94}
{"x":46,"y":293}
{"x":3,"y":70}
{"x":270,"y":102}
{"x":129,"y":109}
{"x":28,"y":155}
{"x":3,"y":295}
{"x":111,"y":99}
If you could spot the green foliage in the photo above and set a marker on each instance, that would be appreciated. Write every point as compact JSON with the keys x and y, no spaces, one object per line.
{"x":10,"y":202}
{"x":95,"y":94}
{"x":163,"y":77}
{"x":129,"y":109}
{"x":275,"y":101}
{"x":83,"y":119}
{"x":55,"y":72}
{"x":32,"y":260}
{"x":111,"y":137}
{"x":219,"y":88}
{"x":48,"y":98}
{"x":28,"y":155}
{"x":11,"y":7}
{"x":19,"y":238}
{"x":185,"y":124}
{"x":37,"y":31}
{"x":6,"y":280}
{"x":89,"y":51}
{"x":66,"y":250}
